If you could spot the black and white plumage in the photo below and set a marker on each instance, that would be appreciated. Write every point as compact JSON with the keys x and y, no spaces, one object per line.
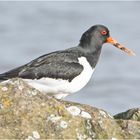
{"x":64,"y":72}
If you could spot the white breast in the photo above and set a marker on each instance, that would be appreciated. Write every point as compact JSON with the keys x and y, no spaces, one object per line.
{"x":61,"y":88}
{"x":81,"y":80}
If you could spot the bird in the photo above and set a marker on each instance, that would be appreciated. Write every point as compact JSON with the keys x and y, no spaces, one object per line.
{"x":64,"y":72}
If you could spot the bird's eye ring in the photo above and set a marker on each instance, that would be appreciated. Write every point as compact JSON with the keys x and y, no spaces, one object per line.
{"x":104,"y":32}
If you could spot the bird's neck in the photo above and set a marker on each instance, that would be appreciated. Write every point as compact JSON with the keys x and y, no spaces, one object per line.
{"x":92,"y":53}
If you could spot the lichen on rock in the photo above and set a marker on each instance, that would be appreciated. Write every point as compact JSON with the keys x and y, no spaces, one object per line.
{"x":26,"y":113}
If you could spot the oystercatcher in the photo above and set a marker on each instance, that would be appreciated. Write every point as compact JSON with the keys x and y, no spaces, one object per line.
{"x":64,"y":72}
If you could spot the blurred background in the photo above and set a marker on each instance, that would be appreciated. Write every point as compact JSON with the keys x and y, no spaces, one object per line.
{"x":31,"y":29}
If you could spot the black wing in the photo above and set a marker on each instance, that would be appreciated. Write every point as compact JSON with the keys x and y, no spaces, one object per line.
{"x":57,"y":65}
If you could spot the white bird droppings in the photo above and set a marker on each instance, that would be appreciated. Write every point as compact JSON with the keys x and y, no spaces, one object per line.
{"x":85,"y":115}
{"x":1,"y":106}
{"x":103,"y":113}
{"x":4,"y":88}
{"x":110,"y":116}
{"x":114,"y":139}
{"x":89,"y":138}
{"x":63,"y":124}
{"x":20,"y":87}
{"x":73,"y":110}
{"x":54,"y":118}
{"x":42,"y":104}
{"x":36,"y":135}
{"x":34,"y":93}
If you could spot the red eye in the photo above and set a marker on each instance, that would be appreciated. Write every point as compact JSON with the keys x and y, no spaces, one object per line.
{"x":104,"y":32}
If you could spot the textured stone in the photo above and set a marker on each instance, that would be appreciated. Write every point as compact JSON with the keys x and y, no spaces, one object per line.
{"x":26,"y":113}
{"x":132,"y":114}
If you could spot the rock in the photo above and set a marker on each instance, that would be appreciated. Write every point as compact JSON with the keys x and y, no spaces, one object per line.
{"x":132,"y":114}
{"x":130,"y":123}
{"x":26,"y":113}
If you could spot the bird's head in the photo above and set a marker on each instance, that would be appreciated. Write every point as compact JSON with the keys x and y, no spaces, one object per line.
{"x":96,"y":36}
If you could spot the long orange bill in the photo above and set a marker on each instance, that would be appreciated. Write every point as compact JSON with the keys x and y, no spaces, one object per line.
{"x":116,"y":44}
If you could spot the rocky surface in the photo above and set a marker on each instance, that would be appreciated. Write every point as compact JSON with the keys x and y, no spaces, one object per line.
{"x":25,"y":113}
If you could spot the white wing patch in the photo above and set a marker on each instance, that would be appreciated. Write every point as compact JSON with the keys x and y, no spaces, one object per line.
{"x":61,"y":88}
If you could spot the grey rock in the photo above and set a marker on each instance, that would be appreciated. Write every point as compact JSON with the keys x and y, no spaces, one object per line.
{"x":131,"y":114}
{"x":26,"y":113}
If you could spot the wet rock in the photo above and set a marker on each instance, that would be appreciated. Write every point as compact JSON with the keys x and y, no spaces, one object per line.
{"x":26,"y":113}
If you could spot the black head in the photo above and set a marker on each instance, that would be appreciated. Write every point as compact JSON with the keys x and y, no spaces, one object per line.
{"x":94,"y":36}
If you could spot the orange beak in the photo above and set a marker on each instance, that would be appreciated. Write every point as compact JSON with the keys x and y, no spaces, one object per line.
{"x":116,"y":44}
